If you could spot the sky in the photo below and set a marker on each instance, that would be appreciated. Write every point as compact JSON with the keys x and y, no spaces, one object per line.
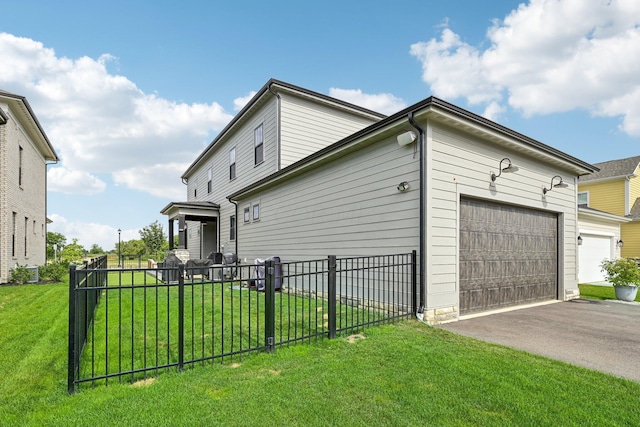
{"x":130,"y":92}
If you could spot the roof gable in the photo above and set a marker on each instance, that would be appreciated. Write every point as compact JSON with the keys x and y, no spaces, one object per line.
{"x":258,"y":99}
{"x":26,"y":115}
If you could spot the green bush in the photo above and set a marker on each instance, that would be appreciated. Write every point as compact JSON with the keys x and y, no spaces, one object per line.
{"x":621,"y":272}
{"x":20,"y":275}
{"x":54,"y":272}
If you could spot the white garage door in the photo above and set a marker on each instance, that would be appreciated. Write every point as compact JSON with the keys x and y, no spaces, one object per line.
{"x":593,"y":250}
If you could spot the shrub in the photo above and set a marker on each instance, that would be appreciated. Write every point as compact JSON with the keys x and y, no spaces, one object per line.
{"x":54,"y":272}
{"x":621,"y":272}
{"x":20,"y":275}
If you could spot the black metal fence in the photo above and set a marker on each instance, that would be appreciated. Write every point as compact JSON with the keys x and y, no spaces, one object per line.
{"x":90,"y":277}
{"x":128,"y":324}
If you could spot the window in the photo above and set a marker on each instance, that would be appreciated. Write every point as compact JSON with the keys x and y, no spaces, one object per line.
{"x":209,"y":175}
{"x":232,"y":227}
{"x":247,"y":218}
{"x":256,"y":212}
{"x":232,"y":163}
{"x":26,"y":226}
{"x":195,"y":188}
{"x":583,"y":198}
{"x":258,"y":145}
{"x":20,"y":167}
{"x":13,"y":234}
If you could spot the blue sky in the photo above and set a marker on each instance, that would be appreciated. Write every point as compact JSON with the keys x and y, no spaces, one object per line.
{"x":129,"y":92}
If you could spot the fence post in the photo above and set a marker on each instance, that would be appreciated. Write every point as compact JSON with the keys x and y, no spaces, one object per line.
{"x":72,"y":330}
{"x":270,"y":307}
{"x":180,"y":316}
{"x":414,"y":282}
{"x":332,"y":296}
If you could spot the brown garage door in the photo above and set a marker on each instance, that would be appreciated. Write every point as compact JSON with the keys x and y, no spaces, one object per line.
{"x":508,"y":256}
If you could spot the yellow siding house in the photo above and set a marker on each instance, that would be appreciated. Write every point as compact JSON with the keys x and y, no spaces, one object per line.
{"x":616,"y":189}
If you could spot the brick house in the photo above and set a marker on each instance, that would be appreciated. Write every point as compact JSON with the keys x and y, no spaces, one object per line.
{"x":25,"y":152}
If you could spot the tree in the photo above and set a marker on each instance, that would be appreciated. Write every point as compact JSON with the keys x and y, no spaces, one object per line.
{"x":96,"y":249}
{"x":54,"y":239}
{"x":73,"y":252}
{"x":132,"y":247}
{"x":153,"y":237}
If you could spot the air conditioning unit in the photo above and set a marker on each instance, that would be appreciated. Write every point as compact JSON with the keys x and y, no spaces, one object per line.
{"x":34,"y":274}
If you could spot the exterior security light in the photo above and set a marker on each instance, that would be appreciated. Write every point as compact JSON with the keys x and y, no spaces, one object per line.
{"x":620,"y":243}
{"x":406,"y":138}
{"x":579,"y":240}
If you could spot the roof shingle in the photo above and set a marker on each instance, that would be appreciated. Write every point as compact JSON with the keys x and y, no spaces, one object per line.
{"x":614,"y":168}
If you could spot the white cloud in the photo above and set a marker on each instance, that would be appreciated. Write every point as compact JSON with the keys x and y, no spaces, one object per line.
{"x":99,"y":122}
{"x":546,"y":56}
{"x":493,"y":111}
{"x":239,"y":103}
{"x":384,"y":103}
{"x":161,"y":180}
{"x":89,"y":233}
{"x":63,"y":180}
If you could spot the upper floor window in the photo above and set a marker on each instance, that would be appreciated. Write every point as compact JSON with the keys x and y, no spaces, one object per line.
{"x":20,"y":166}
{"x":232,"y":163}
{"x":247,"y":217}
{"x":195,"y":188}
{"x":256,"y":212}
{"x":583,"y":198}
{"x":209,"y":176}
{"x":258,"y":145}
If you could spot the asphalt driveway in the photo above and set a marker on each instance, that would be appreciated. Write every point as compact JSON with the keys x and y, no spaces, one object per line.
{"x":600,"y":335}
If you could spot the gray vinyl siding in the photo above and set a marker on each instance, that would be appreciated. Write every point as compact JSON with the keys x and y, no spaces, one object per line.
{"x":309,"y":126}
{"x":461,"y":166}
{"x":246,"y":171}
{"x":348,"y":207}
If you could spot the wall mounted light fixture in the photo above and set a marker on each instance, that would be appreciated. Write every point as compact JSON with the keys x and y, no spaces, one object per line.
{"x":620,"y":243}
{"x":403,"y":186}
{"x":560,"y":184}
{"x":507,"y":169}
{"x":579,"y":240}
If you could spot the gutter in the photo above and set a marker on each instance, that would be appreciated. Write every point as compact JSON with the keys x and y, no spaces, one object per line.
{"x":420,"y":312}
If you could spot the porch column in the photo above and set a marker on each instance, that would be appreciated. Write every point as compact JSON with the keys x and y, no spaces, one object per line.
{"x":170,"y":234}
{"x":182,"y":238}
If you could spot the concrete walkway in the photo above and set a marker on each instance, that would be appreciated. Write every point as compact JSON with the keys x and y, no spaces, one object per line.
{"x":600,"y":335}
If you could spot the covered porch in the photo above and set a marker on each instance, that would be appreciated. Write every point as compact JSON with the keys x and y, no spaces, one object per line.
{"x":198,"y":228}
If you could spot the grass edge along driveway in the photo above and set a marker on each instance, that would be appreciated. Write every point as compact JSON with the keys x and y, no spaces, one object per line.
{"x":402,"y":374}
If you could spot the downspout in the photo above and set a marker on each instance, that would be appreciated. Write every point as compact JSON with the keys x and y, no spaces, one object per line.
{"x":237,"y":227}
{"x":420,"y":312}
{"x":278,"y":148}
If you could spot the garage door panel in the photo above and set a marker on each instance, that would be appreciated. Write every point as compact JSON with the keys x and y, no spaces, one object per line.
{"x":594,"y":249}
{"x":508,"y":255}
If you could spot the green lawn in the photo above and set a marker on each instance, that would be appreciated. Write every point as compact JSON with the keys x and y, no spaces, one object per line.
{"x":599,"y":292}
{"x":402,"y":374}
